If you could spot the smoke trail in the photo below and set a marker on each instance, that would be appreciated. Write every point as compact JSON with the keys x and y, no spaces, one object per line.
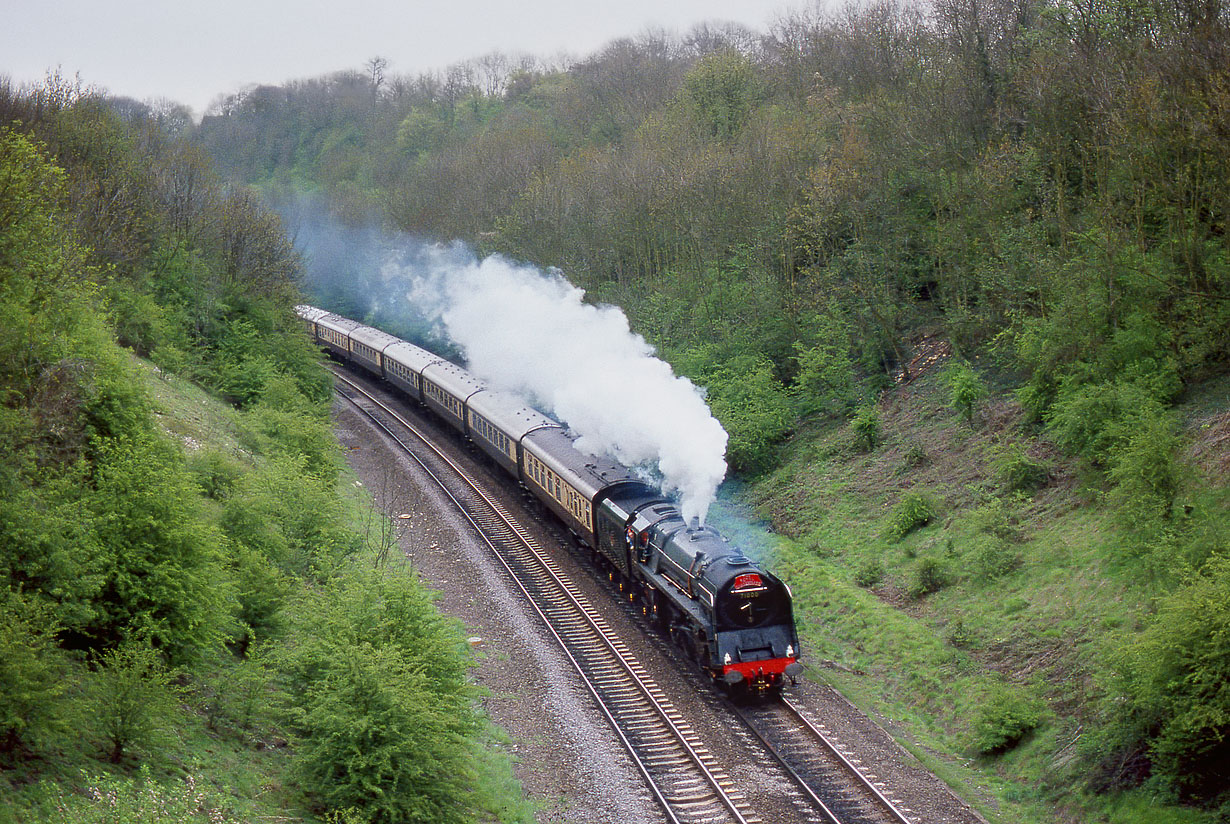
{"x":525,"y":331}
{"x":528,"y":331}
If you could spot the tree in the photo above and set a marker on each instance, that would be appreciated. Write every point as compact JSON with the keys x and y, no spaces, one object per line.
{"x":380,"y":707}
{"x":135,"y":697}
{"x":722,"y":89}
{"x":32,"y":676}
{"x":164,"y":578}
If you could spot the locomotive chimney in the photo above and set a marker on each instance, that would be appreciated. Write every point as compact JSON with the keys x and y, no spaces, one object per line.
{"x":695,"y":524}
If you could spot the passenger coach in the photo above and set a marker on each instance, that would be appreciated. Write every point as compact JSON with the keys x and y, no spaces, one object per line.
{"x":498,"y":423}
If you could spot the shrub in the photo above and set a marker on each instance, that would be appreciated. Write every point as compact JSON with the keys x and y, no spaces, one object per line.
{"x":996,"y":517}
{"x":914,"y":510}
{"x":1174,"y":679}
{"x":1018,"y":472}
{"x":1095,"y":420}
{"x":1145,"y":473}
{"x":966,"y":389}
{"x":1003,"y":720}
{"x":866,"y":428}
{"x":914,"y":457}
{"x":157,"y":552}
{"x":215,"y":472}
{"x":380,"y":703}
{"x":869,"y":574}
{"x":136,"y":699}
{"x":753,"y":406}
{"x":930,"y":575}
{"x":32,"y":670}
{"x":825,"y":382}
{"x":992,"y":558}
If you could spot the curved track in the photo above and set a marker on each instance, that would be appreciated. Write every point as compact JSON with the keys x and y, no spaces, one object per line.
{"x":677,"y":767}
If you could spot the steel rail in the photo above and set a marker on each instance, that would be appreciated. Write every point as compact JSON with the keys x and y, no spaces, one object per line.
{"x":608,"y":680}
{"x":809,"y":776}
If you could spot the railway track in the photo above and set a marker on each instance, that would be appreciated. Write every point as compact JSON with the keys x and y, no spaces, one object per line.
{"x":680,"y":773}
{"x":832,"y":778}
{"x":678,"y":768}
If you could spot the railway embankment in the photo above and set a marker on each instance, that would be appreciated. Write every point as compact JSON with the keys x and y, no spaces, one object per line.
{"x":989,"y":598}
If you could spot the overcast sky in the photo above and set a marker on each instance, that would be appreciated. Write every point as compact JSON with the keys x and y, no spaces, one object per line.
{"x":191,"y":51}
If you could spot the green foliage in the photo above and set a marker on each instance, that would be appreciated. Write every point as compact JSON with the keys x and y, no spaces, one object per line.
{"x":1096,"y":420}
{"x":865,"y":425}
{"x":261,"y":588}
{"x":965,"y":388}
{"x":825,"y":382}
{"x":1146,"y":473}
{"x":381,"y":708}
{"x":930,"y":575}
{"x":163,"y":572}
{"x":1003,"y":720}
{"x":33,"y":705}
{"x":1174,"y":678}
{"x":914,"y":510}
{"x":751,"y":403}
{"x":869,"y":574}
{"x":1016,"y":471}
{"x":296,"y":436}
{"x":291,"y":517}
{"x":991,"y":557}
{"x":721,"y":91}
{"x":169,"y":574}
{"x":215,"y":472}
{"x":135,"y":698}
{"x":237,"y":694}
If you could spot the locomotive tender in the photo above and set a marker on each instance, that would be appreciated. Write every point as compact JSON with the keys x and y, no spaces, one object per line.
{"x":733,"y":617}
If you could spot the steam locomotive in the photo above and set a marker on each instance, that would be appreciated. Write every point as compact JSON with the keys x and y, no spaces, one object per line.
{"x":726,"y":612}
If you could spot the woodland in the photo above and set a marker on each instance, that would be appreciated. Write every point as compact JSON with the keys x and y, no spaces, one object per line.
{"x":954,"y":276}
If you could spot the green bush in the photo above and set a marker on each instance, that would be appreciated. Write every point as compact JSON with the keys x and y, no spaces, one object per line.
{"x":915,"y":456}
{"x":1094,"y":420}
{"x":1173,"y":694}
{"x":992,"y":557}
{"x":914,"y":510}
{"x":1146,"y":474}
{"x":930,"y":575}
{"x":1016,"y":471}
{"x":293,"y":517}
{"x":866,"y":427}
{"x":1003,"y":720}
{"x":965,"y":388}
{"x":869,"y":574}
{"x":825,"y":383}
{"x":996,"y":517}
{"x":379,"y":703}
{"x":159,"y":557}
{"x":215,"y":472}
{"x":33,"y":704}
{"x":753,"y":406}
{"x":136,"y":699}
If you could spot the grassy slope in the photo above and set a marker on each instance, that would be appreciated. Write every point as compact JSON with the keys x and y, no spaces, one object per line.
{"x":233,"y":767}
{"x":252,"y":772}
{"x":1037,"y":589}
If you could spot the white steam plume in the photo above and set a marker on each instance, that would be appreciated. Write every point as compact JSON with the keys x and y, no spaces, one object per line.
{"x":531,"y":332}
